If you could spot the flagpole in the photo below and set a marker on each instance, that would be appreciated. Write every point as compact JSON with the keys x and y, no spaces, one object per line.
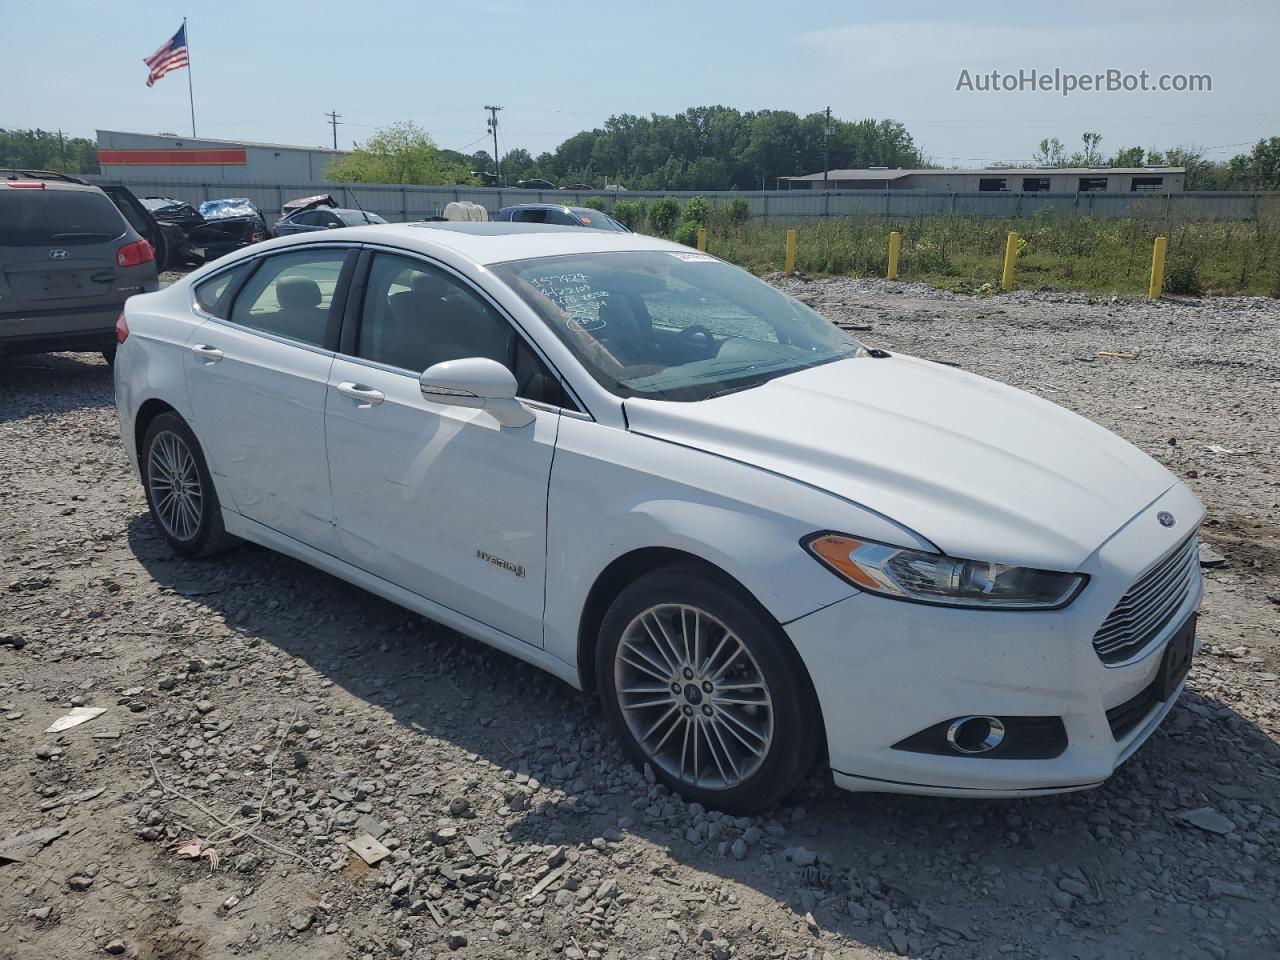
{"x":190,"y":94}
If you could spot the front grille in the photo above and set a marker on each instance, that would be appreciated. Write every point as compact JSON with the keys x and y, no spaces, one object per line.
{"x":1149,"y":605}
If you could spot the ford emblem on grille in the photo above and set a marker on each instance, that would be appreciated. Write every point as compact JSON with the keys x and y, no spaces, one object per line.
{"x":58,"y":254}
{"x":1165,"y":518}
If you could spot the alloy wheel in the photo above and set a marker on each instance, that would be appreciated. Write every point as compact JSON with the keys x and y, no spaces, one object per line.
{"x":174,"y":480}
{"x":693,"y":696}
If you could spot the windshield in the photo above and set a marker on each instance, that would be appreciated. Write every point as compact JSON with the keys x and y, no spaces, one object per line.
{"x":673,"y":325}
{"x":223,"y":209}
{"x":355,"y":218}
{"x":159,"y":203}
{"x":597,"y":220}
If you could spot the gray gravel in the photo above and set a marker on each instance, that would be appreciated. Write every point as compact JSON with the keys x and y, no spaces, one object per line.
{"x":308,"y":713}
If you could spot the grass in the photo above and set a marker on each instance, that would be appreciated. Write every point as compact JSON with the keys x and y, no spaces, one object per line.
{"x":964,"y":254}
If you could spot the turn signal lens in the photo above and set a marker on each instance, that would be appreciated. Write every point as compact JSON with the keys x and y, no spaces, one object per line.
{"x":933,"y":578}
{"x":122,"y":328}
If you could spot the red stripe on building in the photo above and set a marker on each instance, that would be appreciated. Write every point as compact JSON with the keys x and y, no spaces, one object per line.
{"x":185,"y":157}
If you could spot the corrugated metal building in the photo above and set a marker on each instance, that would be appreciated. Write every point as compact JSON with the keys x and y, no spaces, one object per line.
{"x":1001,"y":180}
{"x":147,"y":156}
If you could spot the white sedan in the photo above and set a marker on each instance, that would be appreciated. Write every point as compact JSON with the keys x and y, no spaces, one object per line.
{"x":655,"y":476}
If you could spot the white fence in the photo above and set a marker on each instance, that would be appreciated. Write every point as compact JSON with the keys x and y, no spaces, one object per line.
{"x":400,"y":203}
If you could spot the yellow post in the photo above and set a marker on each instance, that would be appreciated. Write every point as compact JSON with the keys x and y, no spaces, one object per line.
{"x":702,"y":239}
{"x":895,"y":246}
{"x":1010,"y":254}
{"x":790,"y":266}
{"x":1157,"y":268}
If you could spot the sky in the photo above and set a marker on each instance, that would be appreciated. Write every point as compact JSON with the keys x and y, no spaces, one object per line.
{"x":269,"y":71}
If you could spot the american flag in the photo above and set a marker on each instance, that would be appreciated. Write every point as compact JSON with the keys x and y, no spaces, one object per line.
{"x":171,"y":56}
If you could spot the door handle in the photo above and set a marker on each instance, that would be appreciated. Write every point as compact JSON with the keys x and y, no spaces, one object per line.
{"x":207,"y":353}
{"x":362,"y":393}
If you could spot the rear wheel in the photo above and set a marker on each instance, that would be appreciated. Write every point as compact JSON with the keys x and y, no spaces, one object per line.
{"x":180,"y":493}
{"x":702,"y":685}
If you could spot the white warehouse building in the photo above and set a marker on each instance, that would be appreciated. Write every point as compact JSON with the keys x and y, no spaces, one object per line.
{"x":152,"y":157}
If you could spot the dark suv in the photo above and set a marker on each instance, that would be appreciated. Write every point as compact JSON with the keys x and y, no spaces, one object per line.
{"x":68,"y":261}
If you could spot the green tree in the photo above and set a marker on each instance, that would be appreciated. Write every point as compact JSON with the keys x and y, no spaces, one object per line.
{"x":47,"y":150}
{"x":1128,"y":157}
{"x":1051,"y":153}
{"x":400,"y":153}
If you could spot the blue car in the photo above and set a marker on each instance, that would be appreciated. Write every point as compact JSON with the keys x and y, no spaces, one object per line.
{"x":565,"y":216}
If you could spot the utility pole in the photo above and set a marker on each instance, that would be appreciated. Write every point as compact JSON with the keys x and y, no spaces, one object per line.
{"x":493,"y":126}
{"x":62,"y":151}
{"x":826,"y":149}
{"x":333,"y":116}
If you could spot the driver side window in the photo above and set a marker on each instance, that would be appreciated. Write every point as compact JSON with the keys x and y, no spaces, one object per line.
{"x":415,"y":315}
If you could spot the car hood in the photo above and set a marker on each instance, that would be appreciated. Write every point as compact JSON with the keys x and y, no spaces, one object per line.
{"x":980,"y":469}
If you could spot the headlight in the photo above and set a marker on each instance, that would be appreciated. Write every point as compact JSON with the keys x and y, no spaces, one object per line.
{"x":933,"y":578}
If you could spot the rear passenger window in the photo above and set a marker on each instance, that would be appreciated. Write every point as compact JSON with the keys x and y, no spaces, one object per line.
{"x":289,"y":295}
{"x":213,"y":295}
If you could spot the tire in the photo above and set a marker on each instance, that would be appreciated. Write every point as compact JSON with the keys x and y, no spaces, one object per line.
{"x":192,"y":523}
{"x":109,"y":355}
{"x":751,"y":716}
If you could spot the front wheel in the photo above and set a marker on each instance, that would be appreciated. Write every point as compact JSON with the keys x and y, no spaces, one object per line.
{"x":180,"y":493}
{"x":703,"y":686}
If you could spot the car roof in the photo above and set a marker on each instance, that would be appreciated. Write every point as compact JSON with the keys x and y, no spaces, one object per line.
{"x":495,"y":241}
{"x":50,"y":185}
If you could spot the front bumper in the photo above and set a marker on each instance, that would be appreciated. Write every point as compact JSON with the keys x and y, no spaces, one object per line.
{"x":884,"y":670}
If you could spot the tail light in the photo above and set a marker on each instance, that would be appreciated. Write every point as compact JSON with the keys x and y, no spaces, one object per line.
{"x":133,"y":254}
{"x":122,"y":328}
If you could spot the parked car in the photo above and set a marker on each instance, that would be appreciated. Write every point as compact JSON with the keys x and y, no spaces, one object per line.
{"x":232,"y":225}
{"x":656,"y":476}
{"x":68,"y":261}
{"x":323,"y":217}
{"x":169,"y":210}
{"x":537,"y":183}
{"x":303,"y":203}
{"x":564,"y":216}
{"x":229,"y":224}
{"x":578,"y":186}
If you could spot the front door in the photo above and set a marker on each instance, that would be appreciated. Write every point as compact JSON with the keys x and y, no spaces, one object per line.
{"x":443,"y":501}
{"x":257,"y":383}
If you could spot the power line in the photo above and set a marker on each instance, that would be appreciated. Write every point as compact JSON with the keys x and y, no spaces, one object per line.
{"x":333,"y":116}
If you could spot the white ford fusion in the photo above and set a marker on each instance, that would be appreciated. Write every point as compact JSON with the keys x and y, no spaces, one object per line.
{"x":655,"y":476}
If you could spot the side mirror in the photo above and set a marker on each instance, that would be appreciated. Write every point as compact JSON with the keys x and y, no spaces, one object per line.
{"x":479,"y":383}
{"x":332,"y":226}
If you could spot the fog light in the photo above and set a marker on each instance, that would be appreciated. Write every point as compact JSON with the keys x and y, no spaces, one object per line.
{"x":975,"y":734}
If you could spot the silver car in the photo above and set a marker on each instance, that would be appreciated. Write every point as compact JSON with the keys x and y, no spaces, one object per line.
{"x":68,"y":262}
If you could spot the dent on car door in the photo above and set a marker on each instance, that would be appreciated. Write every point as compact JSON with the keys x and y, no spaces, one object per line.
{"x":441,"y":500}
{"x":256,"y":384}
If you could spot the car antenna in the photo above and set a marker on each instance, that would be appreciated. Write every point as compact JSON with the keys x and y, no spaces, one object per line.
{"x":356,"y":201}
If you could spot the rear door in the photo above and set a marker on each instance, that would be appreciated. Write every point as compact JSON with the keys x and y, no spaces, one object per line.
{"x":58,"y":250}
{"x":257,"y":381}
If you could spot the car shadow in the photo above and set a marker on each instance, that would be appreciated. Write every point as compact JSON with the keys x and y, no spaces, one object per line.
{"x":42,"y":384}
{"x":919,"y":876}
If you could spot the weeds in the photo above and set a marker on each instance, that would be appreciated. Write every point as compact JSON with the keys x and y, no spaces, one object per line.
{"x":1056,"y":252}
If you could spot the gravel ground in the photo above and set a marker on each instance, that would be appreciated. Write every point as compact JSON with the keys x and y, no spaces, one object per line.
{"x":271,"y":713}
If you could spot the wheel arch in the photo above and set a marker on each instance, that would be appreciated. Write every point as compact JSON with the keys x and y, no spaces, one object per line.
{"x":637,"y":563}
{"x":147,"y":412}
